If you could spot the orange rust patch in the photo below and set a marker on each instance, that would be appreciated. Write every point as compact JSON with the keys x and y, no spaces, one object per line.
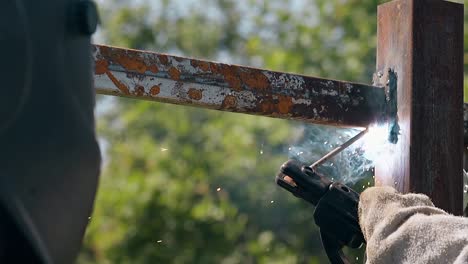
{"x":132,"y":64}
{"x":214,"y":68}
{"x":233,"y":82}
{"x":202,"y":65}
{"x":153,"y":68}
{"x":174,"y":73}
{"x":267,"y":107}
{"x":155,"y":90}
{"x":101,"y":67}
{"x":195,"y":94}
{"x":129,"y":60}
{"x":284,"y":104}
{"x":254,"y":79}
{"x":229,"y":102}
{"x":139,"y":91}
{"x":121,"y":86}
{"x":229,"y":73}
{"x":163,"y":59}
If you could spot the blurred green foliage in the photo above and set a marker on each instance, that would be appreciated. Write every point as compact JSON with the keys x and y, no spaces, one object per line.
{"x":185,"y":185}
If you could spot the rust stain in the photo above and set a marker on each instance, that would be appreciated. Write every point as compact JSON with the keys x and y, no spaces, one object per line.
{"x":214,"y":68}
{"x":195,"y":94}
{"x":202,"y":65}
{"x":229,"y":74}
{"x":229,"y":101}
{"x":153,"y":68}
{"x":234,"y":82}
{"x":101,"y":67}
{"x":121,"y":86}
{"x":132,"y":64}
{"x":284,"y":104}
{"x":163,"y":59}
{"x":174,"y":73}
{"x":267,"y":107}
{"x":139,"y":90}
{"x":155,"y":90}
{"x":127,"y":59}
{"x":254,"y":79}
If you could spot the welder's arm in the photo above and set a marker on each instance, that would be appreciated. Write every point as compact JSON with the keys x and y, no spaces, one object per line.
{"x":409,"y":229}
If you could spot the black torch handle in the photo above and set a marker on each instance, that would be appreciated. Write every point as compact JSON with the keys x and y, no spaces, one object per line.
{"x":336,"y":207}
{"x":333,"y":248}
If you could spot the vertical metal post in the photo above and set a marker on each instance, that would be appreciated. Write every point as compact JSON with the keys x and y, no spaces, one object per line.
{"x":422,"y":42}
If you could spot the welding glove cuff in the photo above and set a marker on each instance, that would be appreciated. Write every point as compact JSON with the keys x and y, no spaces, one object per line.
{"x":407,"y":228}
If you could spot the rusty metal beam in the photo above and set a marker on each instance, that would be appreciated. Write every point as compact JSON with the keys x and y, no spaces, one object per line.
{"x":184,"y":81}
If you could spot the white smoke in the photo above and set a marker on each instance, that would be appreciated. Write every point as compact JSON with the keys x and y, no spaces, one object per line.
{"x":350,"y":166}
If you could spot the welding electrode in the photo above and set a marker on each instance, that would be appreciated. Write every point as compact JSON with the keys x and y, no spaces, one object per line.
{"x":338,"y":149}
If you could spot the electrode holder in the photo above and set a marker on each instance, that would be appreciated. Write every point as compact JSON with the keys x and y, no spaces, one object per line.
{"x":336,"y":211}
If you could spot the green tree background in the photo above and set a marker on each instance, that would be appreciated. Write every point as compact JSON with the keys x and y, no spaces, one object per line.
{"x":186,"y":185}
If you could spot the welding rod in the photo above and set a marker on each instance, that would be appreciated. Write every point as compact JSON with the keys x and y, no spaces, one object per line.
{"x":338,"y":149}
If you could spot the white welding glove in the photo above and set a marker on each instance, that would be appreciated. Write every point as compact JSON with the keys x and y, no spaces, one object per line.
{"x":407,"y":228}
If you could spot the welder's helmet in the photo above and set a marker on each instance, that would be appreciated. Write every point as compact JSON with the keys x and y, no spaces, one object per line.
{"x":49,"y":157}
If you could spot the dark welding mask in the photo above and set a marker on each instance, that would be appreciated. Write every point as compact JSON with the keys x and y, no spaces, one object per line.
{"x":49,"y":157}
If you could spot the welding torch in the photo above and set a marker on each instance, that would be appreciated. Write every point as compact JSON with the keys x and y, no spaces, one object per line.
{"x":336,"y":205}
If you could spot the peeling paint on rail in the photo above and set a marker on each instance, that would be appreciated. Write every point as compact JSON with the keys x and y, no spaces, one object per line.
{"x":165,"y":78}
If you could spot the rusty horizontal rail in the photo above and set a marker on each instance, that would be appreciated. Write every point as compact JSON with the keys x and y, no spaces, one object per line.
{"x":184,"y":81}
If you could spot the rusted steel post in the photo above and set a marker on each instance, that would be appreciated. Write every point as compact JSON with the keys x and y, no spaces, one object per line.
{"x":171,"y":79}
{"x":422,"y":42}
{"x":465,"y":150}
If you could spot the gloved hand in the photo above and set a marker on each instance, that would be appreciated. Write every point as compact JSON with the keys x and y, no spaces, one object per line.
{"x":407,"y":228}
